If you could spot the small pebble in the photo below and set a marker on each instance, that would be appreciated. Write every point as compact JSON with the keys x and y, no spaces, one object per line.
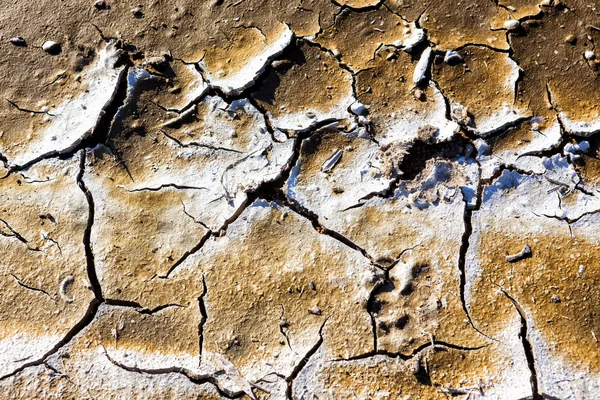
{"x":419,"y":95}
{"x":100,"y":5}
{"x":589,"y":55}
{"x":546,"y":3}
{"x":51,"y":47}
{"x":277,"y":64}
{"x":555,"y":299}
{"x":512,"y":25}
{"x":137,"y":12}
{"x":18,"y":41}
{"x":571,"y":39}
{"x":315,"y":311}
{"x":452,"y":57}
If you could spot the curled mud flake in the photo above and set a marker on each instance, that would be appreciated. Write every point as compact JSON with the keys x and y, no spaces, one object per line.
{"x":358,"y":3}
{"x":315,"y":310}
{"x":567,"y":78}
{"x":64,"y":287}
{"x":450,"y":27}
{"x":523,"y":254}
{"x":452,"y":57}
{"x":78,"y":109}
{"x":512,"y":25}
{"x":326,"y":93}
{"x":481,"y":100}
{"x":395,"y":112}
{"x":246,"y":63}
{"x":357,"y":36}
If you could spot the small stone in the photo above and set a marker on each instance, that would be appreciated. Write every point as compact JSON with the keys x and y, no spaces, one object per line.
{"x":137,"y":12}
{"x":571,"y":39}
{"x":589,"y":55}
{"x":512,"y":25}
{"x":555,"y":299}
{"x":279,"y":64}
{"x":310,"y":114}
{"x":51,"y":47}
{"x":419,"y":95}
{"x":18,"y":41}
{"x":546,"y":3}
{"x":315,"y":310}
{"x":414,"y":365}
{"x":312,"y":286}
{"x":100,"y":5}
{"x":452,"y":57}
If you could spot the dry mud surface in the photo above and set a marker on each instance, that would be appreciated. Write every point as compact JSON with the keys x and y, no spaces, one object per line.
{"x":303,"y":199}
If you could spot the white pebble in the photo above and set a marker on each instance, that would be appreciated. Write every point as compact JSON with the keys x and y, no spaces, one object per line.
{"x":49,"y":46}
{"x":512,"y":24}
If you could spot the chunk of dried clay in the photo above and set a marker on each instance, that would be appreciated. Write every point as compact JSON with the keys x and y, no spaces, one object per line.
{"x":395,"y":114}
{"x":60,"y":128}
{"x":326,"y":93}
{"x":357,"y":36}
{"x":254,"y":61}
{"x":268,"y":333}
{"x":516,"y":208}
{"x":480,"y":100}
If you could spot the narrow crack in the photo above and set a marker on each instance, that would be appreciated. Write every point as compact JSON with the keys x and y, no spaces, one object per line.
{"x":15,"y":234}
{"x":34,"y":289}
{"x":303,"y":362}
{"x":200,"y":145}
{"x":87,"y":243}
{"x":74,"y":331}
{"x":97,"y":135}
{"x":203,"y":319}
{"x":432,"y":344}
{"x":188,"y":253}
{"x":25,"y":110}
{"x":161,"y":187}
{"x":527,"y":346}
{"x":198,"y":379}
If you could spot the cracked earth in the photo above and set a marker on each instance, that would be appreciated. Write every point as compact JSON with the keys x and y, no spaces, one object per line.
{"x":308,"y":199}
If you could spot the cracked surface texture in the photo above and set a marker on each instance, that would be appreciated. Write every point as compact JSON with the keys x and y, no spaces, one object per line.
{"x":308,"y":199}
